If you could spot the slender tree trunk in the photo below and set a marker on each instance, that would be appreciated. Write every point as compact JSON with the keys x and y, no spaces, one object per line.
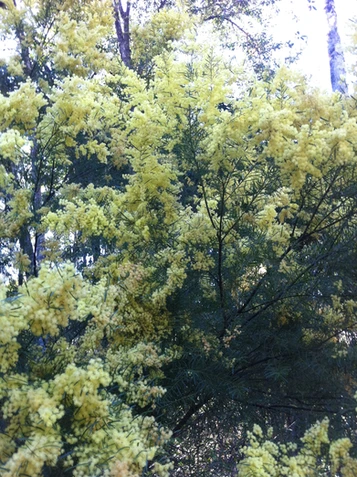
{"x":122,"y":28}
{"x":27,"y":248}
{"x":25,"y":241}
{"x":37,"y":204}
{"x":335,"y":51}
{"x":33,"y":248}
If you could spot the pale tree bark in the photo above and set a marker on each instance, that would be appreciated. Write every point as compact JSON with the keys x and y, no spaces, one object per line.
{"x":335,"y":51}
{"x":122,"y":28}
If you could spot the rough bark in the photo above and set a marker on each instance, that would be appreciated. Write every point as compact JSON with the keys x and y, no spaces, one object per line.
{"x":122,"y":28}
{"x":335,"y":51}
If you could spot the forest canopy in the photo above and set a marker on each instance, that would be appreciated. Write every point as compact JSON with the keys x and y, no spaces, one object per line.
{"x":177,"y":249}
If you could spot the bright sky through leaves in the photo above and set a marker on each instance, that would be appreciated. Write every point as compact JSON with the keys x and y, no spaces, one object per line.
{"x":313,"y":24}
{"x":296,"y":16}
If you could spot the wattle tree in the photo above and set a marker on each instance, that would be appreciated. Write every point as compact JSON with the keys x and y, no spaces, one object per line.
{"x":178,"y":249}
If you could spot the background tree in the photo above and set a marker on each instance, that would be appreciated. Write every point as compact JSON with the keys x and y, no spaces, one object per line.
{"x":232,"y":19}
{"x":335,"y":50}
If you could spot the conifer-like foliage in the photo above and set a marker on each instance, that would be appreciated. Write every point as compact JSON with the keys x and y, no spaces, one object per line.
{"x":178,"y":247}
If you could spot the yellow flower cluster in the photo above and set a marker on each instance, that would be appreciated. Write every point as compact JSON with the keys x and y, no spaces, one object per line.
{"x":14,"y":66}
{"x":19,"y":212}
{"x":89,"y":218}
{"x":82,"y":106}
{"x":11,"y":324}
{"x":11,"y":142}
{"x":98,"y":428}
{"x":65,"y":400}
{"x":120,"y":469}
{"x":49,"y":300}
{"x":158,"y":33}
{"x":21,"y":107}
{"x":316,"y":456}
{"x":77,"y":39}
{"x":30,"y":459}
{"x":146,"y":361}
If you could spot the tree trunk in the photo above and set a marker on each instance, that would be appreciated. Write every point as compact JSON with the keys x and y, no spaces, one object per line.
{"x":34,"y":250}
{"x":335,"y":51}
{"x":122,"y":28}
{"x":26,"y":248}
{"x":39,"y":244}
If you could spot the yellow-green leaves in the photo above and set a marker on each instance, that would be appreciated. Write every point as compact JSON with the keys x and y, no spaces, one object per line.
{"x":316,"y":456}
